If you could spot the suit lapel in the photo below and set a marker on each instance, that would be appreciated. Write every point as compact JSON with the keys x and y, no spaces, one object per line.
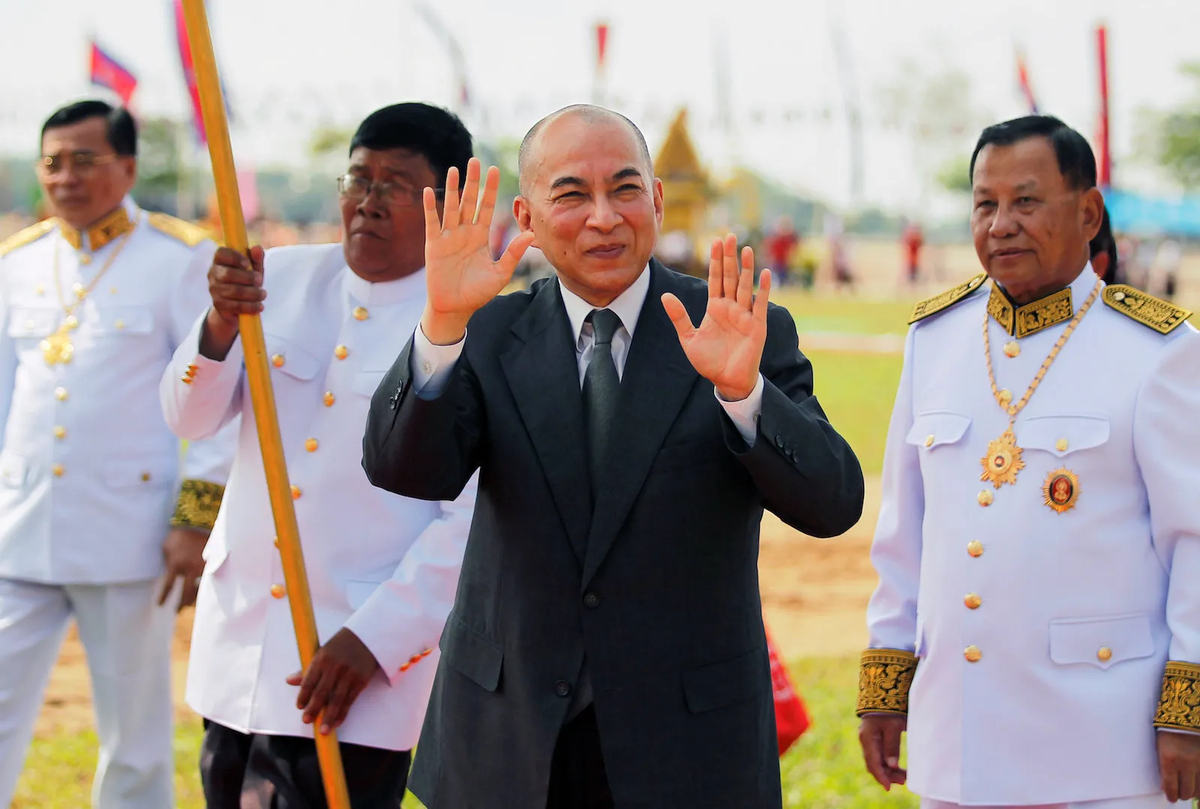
{"x":654,"y":386}
{"x":543,"y":374}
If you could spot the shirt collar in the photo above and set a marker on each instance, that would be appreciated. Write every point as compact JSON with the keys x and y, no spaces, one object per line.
{"x":627,"y":305}
{"x":384,"y":293}
{"x":104,"y":231}
{"x":1030,"y":318}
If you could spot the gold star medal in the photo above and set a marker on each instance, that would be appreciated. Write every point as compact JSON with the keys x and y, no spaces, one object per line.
{"x":1061,"y":490}
{"x":1003,"y":460}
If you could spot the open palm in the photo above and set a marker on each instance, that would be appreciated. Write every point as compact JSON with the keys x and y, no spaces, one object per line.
{"x":727,"y":346}
{"x":461,"y":274}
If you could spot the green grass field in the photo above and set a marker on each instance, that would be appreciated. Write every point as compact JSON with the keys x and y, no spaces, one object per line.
{"x":822,"y":771}
{"x":846,"y":315}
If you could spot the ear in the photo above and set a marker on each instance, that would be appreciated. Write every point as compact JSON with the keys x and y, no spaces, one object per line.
{"x":1091,"y":209}
{"x":130,"y":169}
{"x":523,"y":216}
{"x":658,"y":201}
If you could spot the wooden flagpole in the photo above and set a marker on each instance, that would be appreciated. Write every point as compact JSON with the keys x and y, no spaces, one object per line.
{"x":258,"y":372}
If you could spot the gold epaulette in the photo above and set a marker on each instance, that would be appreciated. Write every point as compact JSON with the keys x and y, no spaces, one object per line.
{"x":184,"y":231}
{"x":29,"y":234}
{"x":198,"y":504}
{"x":1162,"y":316}
{"x":1179,"y":702}
{"x":931,"y":306}
{"x":884,"y":677}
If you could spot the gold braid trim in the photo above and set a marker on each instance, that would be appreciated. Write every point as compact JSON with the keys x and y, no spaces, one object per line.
{"x":884,"y":677}
{"x":1179,"y":704}
{"x":198,"y":504}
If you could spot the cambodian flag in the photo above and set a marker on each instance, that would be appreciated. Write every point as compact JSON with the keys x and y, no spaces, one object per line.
{"x":1024,"y":85}
{"x":189,"y":76}
{"x":108,"y":72}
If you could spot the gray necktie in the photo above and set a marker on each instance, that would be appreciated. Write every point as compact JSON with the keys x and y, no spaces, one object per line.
{"x":600,"y":387}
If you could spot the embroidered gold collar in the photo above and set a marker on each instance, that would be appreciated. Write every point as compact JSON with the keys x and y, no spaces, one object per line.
{"x":103,"y":232}
{"x":1022,"y":321}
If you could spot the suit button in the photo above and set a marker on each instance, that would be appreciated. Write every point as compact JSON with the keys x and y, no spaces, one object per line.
{"x":562,"y":688}
{"x":779,"y":441}
{"x":277,"y":360}
{"x":329,"y":398}
{"x":975,"y":548}
{"x":972,"y":654}
{"x":1104,"y":655}
{"x":929,"y":439}
{"x":277,"y":591}
{"x":972,"y":600}
{"x":591,"y":601}
{"x":341,"y":352}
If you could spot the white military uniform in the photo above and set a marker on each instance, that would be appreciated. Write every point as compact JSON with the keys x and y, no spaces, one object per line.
{"x":385,"y":567}
{"x":89,"y":474}
{"x":1042,"y":613}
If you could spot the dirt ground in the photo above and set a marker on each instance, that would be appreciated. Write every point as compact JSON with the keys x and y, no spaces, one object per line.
{"x":814,"y":596}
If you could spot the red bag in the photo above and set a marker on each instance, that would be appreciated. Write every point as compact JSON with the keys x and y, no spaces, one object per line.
{"x":791,"y":717}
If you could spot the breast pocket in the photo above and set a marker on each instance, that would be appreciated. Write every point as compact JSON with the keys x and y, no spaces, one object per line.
{"x":936,"y":429}
{"x":290,"y":359}
{"x":1101,"y":642}
{"x":33,"y":323}
{"x":124,"y":320}
{"x":1062,"y":435}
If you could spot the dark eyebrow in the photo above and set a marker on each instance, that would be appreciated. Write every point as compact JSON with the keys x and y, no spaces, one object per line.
{"x":561,"y":181}
{"x":625,"y":174}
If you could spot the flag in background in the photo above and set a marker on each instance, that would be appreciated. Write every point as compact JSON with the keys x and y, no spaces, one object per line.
{"x":108,"y":72}
{"x":189,"y":76}
{"x":1024,"y":85}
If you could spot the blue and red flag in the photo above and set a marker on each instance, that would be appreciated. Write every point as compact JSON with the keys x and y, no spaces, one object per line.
{"x":108,"y":72}
{"x":1024,"y":85}
{"x":189,"y":76}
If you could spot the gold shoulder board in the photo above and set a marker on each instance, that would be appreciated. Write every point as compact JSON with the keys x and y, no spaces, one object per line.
{"x":186,"y":232}
{"x":944,"y":300}
{"x":24,"y":237}
{"x":1162,"y":316}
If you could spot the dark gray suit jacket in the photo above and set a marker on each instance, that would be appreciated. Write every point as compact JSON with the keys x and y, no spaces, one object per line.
{"x":657,"y":585}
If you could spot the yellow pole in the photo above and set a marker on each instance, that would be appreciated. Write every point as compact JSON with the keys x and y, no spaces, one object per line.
{"x":258,"y":372}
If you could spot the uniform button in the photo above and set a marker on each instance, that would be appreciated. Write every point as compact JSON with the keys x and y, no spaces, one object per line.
{"x":277,"y":591}
{"x":329,"y":398}
{"x":1104,"y":655}
{"x":145,"y":477}
{"x":120,"y":324}
{"x":311,"y":445}
{"x":40,"y":290}
{"x":929,"y":440}
{"x":296,"y":492}
{"x":60,"y":432}
{"x":972,"y":601}
{"x":591,"y":601}
{"x":360,"y":313}
{"x":275,"y":542}
{"x":562,"y":688}
{"x":985,"y":498}
{"x":187,"y":380}
{"x":60,"y":394}
{"x":1012,"y":348}
{"x":1061,"y":444}
{"x":972,"y":654}
{"x":277,"y":360}
{"x":57,"y":470}
{"x":1118,"y":296}
{"x":341,"y":352}
{"x":975,"y":548}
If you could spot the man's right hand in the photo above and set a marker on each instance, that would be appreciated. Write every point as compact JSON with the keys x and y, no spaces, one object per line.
{"x":879,"y":735}
{"x":235,"y":284}
{"x":460,"y":273}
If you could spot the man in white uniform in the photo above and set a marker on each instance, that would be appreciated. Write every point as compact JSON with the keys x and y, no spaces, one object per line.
{"x":92,"y":305}
{"x":1038,"y":545}
{"x":382,"y":568}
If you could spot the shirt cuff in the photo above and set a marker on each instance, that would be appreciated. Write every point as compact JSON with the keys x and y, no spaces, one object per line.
{"x":432,"y":365}
{"x":744,"y":414}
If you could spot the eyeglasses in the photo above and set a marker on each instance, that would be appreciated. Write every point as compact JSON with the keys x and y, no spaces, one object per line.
{"x":84,"y":162}
{"x":395,"y":193}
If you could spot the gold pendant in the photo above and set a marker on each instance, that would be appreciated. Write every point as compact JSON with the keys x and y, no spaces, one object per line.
{"x":57,"y":348}
{"x":1003,"y":460}
{"x":1061,"y":490}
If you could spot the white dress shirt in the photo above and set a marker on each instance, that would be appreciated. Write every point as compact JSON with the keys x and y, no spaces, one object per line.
{"x":433,"y":364}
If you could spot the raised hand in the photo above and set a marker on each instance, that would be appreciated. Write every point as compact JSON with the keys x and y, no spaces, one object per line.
{"x":460,"y":273}
{"x":728,"y":345}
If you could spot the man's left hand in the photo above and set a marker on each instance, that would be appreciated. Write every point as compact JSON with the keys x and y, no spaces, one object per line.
{"x":183,"y":551}
{"x":339,"y":672}
{"x":727,"y":347}
{"x":1179,"y":765}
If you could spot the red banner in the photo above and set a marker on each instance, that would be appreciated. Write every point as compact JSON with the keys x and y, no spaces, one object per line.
{"x":108,"y":72}
{"x":1104,"y":158}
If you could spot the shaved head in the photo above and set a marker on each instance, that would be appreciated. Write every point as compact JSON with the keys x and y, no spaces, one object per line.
{"x":589,"y":113}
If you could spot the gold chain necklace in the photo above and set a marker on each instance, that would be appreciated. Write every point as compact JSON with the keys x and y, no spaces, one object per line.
{"x":1003,"y":459}
{"x":58,"y":348}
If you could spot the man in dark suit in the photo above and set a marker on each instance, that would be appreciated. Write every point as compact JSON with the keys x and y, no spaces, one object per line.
{"x":606,"y":646}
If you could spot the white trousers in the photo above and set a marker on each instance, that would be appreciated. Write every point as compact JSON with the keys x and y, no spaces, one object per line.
{"x":1155,"y":801}
{"x":127,"y":638}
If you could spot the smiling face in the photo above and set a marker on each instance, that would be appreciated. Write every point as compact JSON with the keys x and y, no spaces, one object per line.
{"x":385,"y":239}
{"x":591,"y":199}
{"x":1031,"y":229}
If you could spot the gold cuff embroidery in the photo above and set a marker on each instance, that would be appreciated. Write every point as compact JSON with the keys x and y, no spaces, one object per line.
{"x":1179,"y":704}
{"x":198,"y":504}
{"x":884,"y":677}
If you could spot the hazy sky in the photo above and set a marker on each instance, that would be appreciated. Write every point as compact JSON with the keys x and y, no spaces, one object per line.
{"x":289,"y":63}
